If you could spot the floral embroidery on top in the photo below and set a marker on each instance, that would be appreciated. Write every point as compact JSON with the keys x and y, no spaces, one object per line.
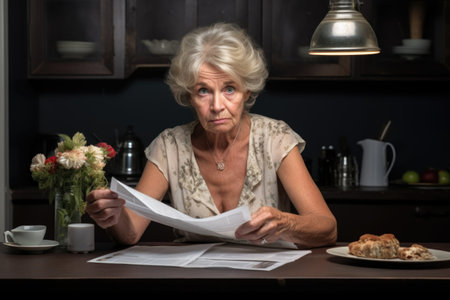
{"x":269,"y":142}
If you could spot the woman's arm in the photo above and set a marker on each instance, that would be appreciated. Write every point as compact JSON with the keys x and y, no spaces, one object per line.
{"x":122,"y":224}
{"x":314,"y":226}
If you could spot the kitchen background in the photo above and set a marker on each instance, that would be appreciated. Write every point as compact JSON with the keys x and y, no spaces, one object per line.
{"x":321,"y":109}
{"x":321,"y":112}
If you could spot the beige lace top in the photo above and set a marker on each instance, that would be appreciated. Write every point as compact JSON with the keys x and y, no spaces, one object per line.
{"x":270,"y":141}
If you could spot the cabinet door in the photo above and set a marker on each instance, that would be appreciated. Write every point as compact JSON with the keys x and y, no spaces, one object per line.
{"x":72,"y":38}
{"x":409,"y":222}
{"x":155,"y":27}
{"x":287,"y":31}
{"x":396,"y":22}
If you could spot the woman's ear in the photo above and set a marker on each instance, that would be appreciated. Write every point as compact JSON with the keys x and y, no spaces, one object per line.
{"x":247,"y":95}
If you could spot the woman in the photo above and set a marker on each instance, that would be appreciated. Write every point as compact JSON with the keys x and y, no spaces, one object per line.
{"x":227,"y":157}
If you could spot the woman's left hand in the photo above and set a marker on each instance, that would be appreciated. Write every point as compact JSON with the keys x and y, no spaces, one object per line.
{"x":267,"y":225}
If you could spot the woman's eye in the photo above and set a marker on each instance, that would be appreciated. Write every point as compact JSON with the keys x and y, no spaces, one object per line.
{"x":202,"y":91}
{"x":229,"y":90}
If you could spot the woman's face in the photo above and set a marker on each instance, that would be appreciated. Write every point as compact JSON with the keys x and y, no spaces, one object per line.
{"x":218,"y":100}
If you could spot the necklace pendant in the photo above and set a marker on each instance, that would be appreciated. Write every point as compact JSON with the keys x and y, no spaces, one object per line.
{"x":220,"y":166}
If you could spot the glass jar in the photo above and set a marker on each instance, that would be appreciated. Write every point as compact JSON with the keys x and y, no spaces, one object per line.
{"x":67,"y":211}
{"x":347,"y":172}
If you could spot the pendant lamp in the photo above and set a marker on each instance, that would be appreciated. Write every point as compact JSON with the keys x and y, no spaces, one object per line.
{"x":344,"y":31}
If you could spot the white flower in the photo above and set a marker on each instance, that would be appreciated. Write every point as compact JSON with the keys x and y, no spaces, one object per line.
{"x":38,"y":162}
{"x":97,"y":154}
{"x":73,"y":159}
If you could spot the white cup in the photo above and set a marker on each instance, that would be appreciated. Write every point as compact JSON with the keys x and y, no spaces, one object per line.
{"x":80,"y":238}
{"x":26,"y":234}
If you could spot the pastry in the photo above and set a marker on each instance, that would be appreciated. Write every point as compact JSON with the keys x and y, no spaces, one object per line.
{"x":415,"y":252}
{"x":374,"y":246}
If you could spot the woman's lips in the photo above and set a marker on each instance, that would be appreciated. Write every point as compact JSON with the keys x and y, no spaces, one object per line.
{"x":219,"y":121}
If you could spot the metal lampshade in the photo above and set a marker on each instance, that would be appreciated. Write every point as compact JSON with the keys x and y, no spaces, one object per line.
{"x":344,"y":31}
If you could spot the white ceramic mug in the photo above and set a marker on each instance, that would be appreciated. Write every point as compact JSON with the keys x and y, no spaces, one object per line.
{"x":80,"y":237}
{"x":26,"y":234}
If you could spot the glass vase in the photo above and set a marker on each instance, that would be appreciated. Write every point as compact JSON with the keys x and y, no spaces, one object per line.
{"x":67,"y":211}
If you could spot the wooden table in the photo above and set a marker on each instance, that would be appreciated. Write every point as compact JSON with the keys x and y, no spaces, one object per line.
{"x":318,"y":272}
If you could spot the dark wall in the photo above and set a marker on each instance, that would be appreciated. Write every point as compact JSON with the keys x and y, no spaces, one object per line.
{"x":23,"y":101}
{"x":320,"y":112}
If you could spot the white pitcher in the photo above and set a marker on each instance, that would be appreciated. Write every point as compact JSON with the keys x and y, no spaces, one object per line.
{"x":374,"y":165}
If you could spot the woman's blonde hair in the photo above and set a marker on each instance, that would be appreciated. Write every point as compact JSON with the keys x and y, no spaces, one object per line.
{"x":224,"y":46}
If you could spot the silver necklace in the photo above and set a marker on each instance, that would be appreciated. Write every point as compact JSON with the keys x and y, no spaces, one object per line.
{"x":220,"y":164}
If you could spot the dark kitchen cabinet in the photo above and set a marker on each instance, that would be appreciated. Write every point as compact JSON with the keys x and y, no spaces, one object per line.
{"x":154,"y":28}
{"x":287,"y":29}
{"x":75,"y":38}
{"x":113,"y":38}
{"x":396,"y":22}
{"x":411,"y":214}
{"x":409,"y":222}
{"x":288,"y":26}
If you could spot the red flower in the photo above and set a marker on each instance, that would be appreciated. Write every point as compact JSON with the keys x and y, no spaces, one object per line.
{"x":109,"y":149}
{"x":52,"y":162}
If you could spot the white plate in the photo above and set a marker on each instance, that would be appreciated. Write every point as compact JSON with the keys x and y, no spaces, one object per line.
{"x":343,"y":252}
{"x":44,"y":245}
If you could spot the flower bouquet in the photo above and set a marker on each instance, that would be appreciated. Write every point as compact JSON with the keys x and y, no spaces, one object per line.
{"x":69,"y":175}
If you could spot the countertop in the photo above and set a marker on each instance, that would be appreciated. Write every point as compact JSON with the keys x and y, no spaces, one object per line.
{"x":318,"y":272}
{"x":391,"y":193}
{"x":394,"y":192}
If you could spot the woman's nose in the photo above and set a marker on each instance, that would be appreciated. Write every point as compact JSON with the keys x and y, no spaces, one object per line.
{"x":218,"y":102}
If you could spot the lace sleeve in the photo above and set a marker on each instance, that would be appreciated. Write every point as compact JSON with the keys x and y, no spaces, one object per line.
{"x":156,"y":153}
{"x":284,"y":139}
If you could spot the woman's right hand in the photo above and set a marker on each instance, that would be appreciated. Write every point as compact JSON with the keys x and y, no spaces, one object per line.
{"x":104,"y":207}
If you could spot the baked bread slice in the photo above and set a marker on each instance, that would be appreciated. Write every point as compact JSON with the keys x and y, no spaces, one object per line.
{"x":415,"y":252}
{"x":373,"y":246}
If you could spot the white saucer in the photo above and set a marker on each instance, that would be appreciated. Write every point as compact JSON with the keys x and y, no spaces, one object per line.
{"x":410,"y":53}
{"x":410,"y":50}
{"x":44,"y":245}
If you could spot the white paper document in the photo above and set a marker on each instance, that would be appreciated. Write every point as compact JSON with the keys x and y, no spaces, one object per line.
{"x":211,"y":255}
{"x":222,"y":226}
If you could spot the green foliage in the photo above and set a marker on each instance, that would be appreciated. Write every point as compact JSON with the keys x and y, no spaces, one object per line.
{"x":75,"y":166}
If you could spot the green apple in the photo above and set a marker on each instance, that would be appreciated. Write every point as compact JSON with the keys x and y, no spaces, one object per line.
{"x":444,"y":177}
{"x":410,"y":176}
